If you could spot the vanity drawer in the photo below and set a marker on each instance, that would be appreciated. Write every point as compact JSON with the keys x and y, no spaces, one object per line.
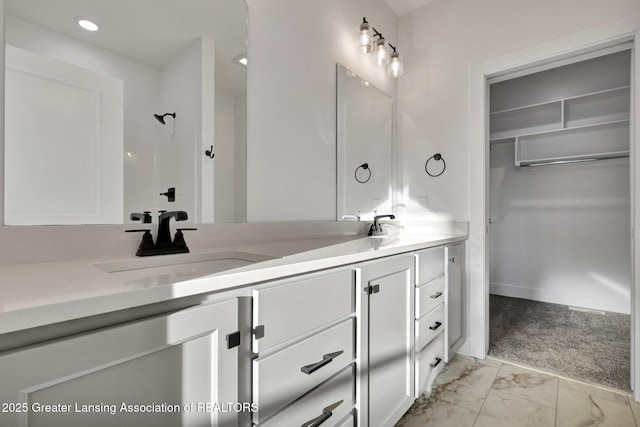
{"x":429,"y":264}
{"x":292,"y":307}
{"x":336,"y":396}
{"x":278,"y":379}
{"x":429,"y":327}
{"x":429,"y":296}
{"x":429,"y":363}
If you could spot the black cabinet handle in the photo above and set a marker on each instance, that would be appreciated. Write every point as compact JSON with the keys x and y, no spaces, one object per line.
{"x":326,"y":414}
{"x":327,"y":358}
{"x":436,"y":295}
{"x":436,"y":363}
{"x":436,"y":326}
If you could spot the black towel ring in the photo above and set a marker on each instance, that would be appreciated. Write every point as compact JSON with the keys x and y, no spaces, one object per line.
{"x":364,"y":166}
{"x":437,"y":157}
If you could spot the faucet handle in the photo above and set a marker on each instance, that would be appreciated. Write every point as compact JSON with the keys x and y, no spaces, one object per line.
{"x":178,"y":240}
{"x":147,"y":240}
{"x":144,"y":217}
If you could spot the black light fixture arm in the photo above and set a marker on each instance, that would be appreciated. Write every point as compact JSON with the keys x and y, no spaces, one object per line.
{"x":376,"y":33}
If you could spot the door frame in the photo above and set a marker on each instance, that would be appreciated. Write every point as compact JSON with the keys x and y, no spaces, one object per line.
{"x":596,"y":38}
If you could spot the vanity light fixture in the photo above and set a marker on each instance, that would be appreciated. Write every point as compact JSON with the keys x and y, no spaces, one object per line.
{"x":87,"y":25}
{"x":365,"y":34}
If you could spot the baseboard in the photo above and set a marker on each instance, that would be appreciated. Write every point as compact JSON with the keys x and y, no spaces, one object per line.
{"x":616,"y":305}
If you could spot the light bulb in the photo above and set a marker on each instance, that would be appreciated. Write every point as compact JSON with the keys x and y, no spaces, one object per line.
{"x":381,"y":55}
{"x":395,"y":68}
{"x":364,"y":39}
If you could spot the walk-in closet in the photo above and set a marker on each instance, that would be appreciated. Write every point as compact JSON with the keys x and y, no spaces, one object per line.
{"x":560,"y":257}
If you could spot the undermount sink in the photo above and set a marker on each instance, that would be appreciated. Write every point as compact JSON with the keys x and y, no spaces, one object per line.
{"x":180,"y":267}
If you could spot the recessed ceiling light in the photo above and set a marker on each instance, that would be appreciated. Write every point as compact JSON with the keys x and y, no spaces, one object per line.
{"x":87,"y":25}
{"x":241,"y":59}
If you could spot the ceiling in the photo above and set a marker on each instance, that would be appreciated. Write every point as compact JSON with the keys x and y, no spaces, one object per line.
{"x":400,"y":7}
{"x":150,"y":31}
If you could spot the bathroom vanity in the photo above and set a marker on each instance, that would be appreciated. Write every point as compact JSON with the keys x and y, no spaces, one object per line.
{"x":348,"y":334}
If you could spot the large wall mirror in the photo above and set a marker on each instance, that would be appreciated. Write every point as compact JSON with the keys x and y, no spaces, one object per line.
{"x":148,"y":113}
{"x":364,"y":148}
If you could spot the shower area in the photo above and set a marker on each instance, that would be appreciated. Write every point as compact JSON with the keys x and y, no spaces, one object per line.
{"x":560,"y":218}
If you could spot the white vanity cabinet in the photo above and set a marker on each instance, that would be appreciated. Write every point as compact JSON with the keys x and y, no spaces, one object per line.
{"x":303,"y":335}
{"x":430,"y":317}
{"x":385,"y":345}
{"x":169,"y":370}
{"x":456,"y":298}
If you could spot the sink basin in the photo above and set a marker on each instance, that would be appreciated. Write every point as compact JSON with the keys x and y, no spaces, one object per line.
{"x":180,"y":267}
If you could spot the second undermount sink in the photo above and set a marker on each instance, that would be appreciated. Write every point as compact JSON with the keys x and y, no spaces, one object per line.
{"x":180,"y":267}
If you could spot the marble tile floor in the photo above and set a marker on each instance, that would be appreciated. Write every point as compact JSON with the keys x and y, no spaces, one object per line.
{"x":492,"y":393}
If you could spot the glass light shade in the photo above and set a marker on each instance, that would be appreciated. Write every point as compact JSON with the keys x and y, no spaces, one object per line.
{"x":380,"y":52}
{"x":364,"y":38}
{"x":395,"y":68}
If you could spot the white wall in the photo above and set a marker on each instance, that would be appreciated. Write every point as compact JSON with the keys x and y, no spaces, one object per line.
{"x":561,"y":233}
{"x":225,"y":157}
{"x":293,"y":48}
{"x":181,"y":142}
{"x":440,"y":42}
{"x":450,"y":46}
{"x":240,"y":178}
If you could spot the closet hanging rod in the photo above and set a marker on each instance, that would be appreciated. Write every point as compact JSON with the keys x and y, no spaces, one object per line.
{"x":561,"y":161}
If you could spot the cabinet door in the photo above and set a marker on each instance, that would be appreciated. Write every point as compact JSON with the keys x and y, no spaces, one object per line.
{"x":456,"y":305}
{"x":388,"y":339}
{"x":168,"y":370}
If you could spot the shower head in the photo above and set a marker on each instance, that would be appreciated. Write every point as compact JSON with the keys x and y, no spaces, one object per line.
{"x":160,"y":118}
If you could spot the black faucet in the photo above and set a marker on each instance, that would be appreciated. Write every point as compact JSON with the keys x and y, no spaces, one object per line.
{"x":163,"y":239}
{"x":376,"y":227}
{"x":164,"y":245}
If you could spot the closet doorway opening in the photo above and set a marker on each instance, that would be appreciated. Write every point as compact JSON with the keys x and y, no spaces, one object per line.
{"x":560,"y":217}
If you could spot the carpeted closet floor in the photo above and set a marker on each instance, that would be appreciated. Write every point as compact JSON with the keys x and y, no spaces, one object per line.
{"x":589,"y":347}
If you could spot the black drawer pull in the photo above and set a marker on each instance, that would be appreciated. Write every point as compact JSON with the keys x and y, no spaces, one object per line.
{"x":436,"y":363}
{"x":436,"y":295}
{"x":436,"y":326}
{"x":327,"y":358}
{"x":326,"y":414}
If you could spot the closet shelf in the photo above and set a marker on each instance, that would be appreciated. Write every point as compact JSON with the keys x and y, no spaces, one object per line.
{"x":591,"y":142}
{"x":568,"y":98}
{"x":573,"y":129}
{"x":575,"y":112}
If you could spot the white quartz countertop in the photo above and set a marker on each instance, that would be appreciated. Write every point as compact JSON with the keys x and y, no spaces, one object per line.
{"x":33,"y":295}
